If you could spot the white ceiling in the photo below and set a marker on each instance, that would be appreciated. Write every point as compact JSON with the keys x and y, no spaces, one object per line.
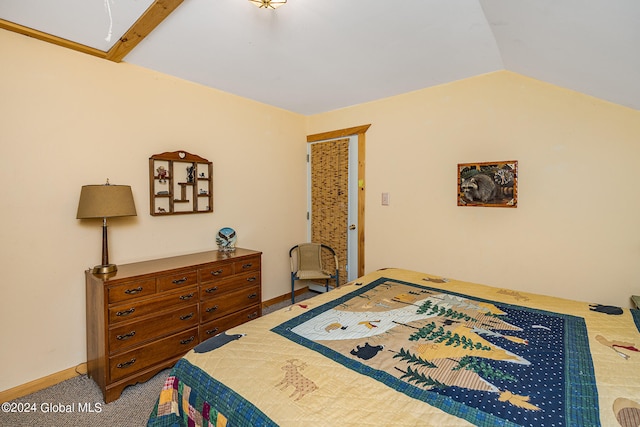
{"x":312,"y":56}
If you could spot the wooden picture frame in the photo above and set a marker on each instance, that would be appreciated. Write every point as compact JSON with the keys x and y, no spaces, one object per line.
{"x":491,"y":184}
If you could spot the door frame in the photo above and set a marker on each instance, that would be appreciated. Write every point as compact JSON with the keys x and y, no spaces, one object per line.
{"x":359,"y":132}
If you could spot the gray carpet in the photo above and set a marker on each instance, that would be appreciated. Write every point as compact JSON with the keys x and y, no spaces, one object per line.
{"x":79,"y":395}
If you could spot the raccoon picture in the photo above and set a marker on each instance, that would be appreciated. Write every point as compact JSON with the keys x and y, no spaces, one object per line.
{"x":479,"y":187}
{"x":504,"y":177}
{"x":488,"y":184}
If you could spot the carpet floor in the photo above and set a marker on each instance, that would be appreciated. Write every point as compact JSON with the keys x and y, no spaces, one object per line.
{"x":78,"y":402}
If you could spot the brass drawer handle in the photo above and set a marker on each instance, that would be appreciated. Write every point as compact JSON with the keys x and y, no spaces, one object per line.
{"x":211,"y":331}
{"x":186,"y":297}
{"x":253,"y":295}
{"x":179,"y":281}
{"x":217,"y":272}
{"x":248,"y":265}
{"x":188,"y":340}
{"x":133,"y":291}
{"x":252,"y":279}
{"x":126,"y":364}
{"x":126,"y":336}
{"x":211,"y":290}
{"x":253,"y":315}
{"x":125,"y":312}
{"x":186,"y":316}
{"x":211,"y":309}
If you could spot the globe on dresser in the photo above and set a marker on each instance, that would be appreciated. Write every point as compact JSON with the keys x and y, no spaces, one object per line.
{"x":226,"y":239}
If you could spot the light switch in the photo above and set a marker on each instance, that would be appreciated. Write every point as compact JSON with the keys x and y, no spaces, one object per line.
{"x":385,"y":199}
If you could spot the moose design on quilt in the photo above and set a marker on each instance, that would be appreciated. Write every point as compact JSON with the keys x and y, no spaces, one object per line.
{"x":292,"y":377}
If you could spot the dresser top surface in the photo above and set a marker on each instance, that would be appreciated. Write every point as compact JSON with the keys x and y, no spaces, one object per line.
{"x":126,"y":271}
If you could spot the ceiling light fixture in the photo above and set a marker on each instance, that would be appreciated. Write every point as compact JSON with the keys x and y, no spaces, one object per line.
{"x":268,"y":4}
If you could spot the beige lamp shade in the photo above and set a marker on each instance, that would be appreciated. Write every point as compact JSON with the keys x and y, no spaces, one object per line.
{"x":105,"y":201}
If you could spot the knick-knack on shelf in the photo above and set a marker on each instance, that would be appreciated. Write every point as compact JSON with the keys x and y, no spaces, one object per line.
{"x":162,"y":174}
{"x":190,"y":173}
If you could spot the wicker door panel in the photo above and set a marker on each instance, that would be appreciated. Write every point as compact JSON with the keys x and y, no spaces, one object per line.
{"x":330,"y":198}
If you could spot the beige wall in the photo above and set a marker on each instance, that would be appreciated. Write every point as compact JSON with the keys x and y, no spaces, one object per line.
{"x":575,"y":232}
{"x":68,"y":119}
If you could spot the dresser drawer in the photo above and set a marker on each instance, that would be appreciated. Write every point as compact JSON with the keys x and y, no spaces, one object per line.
{"x":134,"y":289}
{"x":249,"y":264}
{"x":215,"y":272}
{"x":131,"y":334}
{"x":175,"y":281}
{"x":229,"y":302}
{"x":161,"y":302}
{"x":221,"y":324}
{"x":158,"y":351}
{"x":232,"y":283}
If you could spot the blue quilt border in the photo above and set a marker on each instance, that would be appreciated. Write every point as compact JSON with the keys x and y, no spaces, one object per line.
{"x":635,"y":313}
{"x":581,"y":406}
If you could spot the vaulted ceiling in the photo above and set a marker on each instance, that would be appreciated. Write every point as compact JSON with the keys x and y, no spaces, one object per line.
{"x":312,"y":56}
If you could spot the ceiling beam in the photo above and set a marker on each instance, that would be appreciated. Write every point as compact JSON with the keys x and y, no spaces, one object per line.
{"x":21,"y":29}
{"x":149,"y":20}
{"x":154,"y":15}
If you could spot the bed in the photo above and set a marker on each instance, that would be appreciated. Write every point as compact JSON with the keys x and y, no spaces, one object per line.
{"x":403,"y":348}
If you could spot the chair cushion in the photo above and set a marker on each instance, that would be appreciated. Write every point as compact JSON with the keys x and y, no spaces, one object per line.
{"x":312,"y":274}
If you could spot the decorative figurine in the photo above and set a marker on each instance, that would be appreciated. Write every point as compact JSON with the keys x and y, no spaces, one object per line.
{"x":226,"y":239}
{"x":190,"y":173}
{"x":162,"y":174}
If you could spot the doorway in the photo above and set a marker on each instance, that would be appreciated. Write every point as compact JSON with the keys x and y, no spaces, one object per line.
{"x":336,"y":195}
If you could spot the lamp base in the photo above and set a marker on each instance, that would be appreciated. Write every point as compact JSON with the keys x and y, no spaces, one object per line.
{"x":104,"y":269}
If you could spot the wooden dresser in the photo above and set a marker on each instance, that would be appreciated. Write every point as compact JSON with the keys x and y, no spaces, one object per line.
{"x":144,"y":317}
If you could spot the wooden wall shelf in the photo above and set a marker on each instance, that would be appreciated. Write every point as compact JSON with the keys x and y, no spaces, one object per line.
{"x":180,"y":183}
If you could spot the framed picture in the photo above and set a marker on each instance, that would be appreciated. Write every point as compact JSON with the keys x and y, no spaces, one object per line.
{"x":493,"y":184}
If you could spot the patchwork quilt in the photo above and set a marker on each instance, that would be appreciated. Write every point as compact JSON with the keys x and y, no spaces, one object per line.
{"x":404,"y":348}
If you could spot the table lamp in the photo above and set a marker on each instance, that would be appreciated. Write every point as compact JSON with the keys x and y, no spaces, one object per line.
{"x":105,"y":201}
